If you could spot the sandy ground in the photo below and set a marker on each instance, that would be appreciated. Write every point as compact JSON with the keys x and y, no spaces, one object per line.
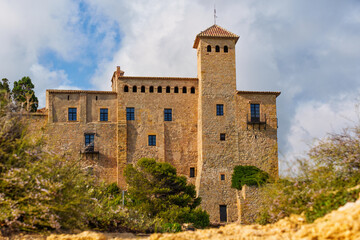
{"x":343,"y":223}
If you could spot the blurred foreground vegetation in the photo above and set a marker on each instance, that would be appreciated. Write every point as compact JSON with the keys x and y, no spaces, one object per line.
{"x":326,"y":179}
{"x":41,"y":191}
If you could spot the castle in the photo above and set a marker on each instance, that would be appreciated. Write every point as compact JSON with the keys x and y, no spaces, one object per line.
{"x":203,"y":126}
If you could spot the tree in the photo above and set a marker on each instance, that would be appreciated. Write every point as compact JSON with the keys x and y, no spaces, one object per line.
{"x":5,"y":89}
{"x":248,"y":175}
{"x":23,"y":93}
{"x":157,"y":191}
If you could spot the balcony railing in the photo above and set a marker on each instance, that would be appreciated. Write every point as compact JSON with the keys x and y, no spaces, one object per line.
{"x":89,"y":149}
{"x":257,"y":120}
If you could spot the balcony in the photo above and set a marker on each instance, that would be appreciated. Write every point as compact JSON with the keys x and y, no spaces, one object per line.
{"x":89,"y":149}
{"x":256,"y":121}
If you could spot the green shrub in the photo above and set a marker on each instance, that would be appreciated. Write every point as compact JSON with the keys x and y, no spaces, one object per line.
{"x":248,"y":175}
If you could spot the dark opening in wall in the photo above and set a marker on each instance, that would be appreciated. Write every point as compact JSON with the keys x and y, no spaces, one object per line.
{"x":151,"y":89}
{"x":184,"y":90}
{"x":126,"y":88}
{"x":167,"y":89}
{"x":226,"y":49}
{"x":192,"y":172}
{"x":68,"y":97}
{"x":142,"y":88}
{"x":96,"y":98}
{"x":159,"y":89}
{"x":134,"y":89}
{"x":176,"y":90}
{"x":192,"y":90}
{"x":222,"y":136}
{"x":217,"y":48}
{"x":208,"y":48}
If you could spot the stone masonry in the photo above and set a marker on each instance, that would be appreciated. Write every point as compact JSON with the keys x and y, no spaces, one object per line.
{"x":213,"y":127}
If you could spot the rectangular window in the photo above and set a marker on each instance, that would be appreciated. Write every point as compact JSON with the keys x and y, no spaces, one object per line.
{"x":192,"y":172}
{"x":130,"y":113}
{"x":104,"y":114}
{"x":72,"y":114}
{"x":255,"y":112}
{"x":89,"y":142}
{"x":219,"y":109}
{"x":152,"y":140}
{"x":222,"y":177}
{"x":222,"y":136}
{"x":167,"y":114}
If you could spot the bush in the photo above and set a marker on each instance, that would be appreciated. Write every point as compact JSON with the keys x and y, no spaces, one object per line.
{"x":248,"y":175}
{"x":325,"y":180}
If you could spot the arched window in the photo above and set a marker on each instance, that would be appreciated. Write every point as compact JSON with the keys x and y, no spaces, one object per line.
{"x":142,"y":88}
{"x":68,"y":97}
{"x":192,"y":90}
{"x":96,"y":98}
{"x":184,"y":90}
{"x":151,"y":89}
{"x":134,"y":89}
{"x":217,"y":48}
{"x":167,"y":89}
{"x":209,"y":48}
{"x":226,"y":49}
{"x":159,"y":89}
{"x":126,"y":88}
{"x":176,"y":90}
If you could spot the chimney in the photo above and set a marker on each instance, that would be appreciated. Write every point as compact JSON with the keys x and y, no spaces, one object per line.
{"x":119,"y":73}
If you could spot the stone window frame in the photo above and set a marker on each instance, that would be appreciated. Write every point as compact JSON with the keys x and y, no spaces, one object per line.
{"x":68,"y":114}
{"x":195,"y":172}
{"x":108,"y":114}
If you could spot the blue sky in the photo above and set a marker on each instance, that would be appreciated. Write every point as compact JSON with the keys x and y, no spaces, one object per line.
{"x":308,"y":50}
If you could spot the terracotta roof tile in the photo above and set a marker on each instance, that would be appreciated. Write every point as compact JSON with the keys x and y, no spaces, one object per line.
{"x":259,"y":92}
{"x":215,"y":31}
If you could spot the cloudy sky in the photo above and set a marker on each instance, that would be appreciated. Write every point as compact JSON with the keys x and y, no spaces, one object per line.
{"x":309,"y":50}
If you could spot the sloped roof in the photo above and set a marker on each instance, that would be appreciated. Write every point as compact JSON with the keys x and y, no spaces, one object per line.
{"x":215,"y":31}
{"x":259,"y":92}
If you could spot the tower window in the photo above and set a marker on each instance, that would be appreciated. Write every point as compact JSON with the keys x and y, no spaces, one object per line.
{"x":104,"y":114}
{"x":219,"y":109}
{"x":152,"y":140}
{"x":142,"y":88}
{"x":167,"y":114}
{"x":159,"y":89}
{"x":151,"y":89}
{"x":130,"y":113}
{"x":226,"y":49}
{"x":68,"y":97}
{"x":255,"y":112}
{"x":217,"y":48}
{"x":222,"y":136}
{"x":126,"y":88}
{"x":192,"y":172}
{"x":96,"y":98}
{"x":72,"y":114}
{"x":192,"y":90}
{"x":167,"y":89}
{"x":176,"y":90}
{"x":134,"y":89}
{"x":184,"y":90}
{"x":89,"y":142}
{"x":208,"y":48}
{"x":222,"y":177}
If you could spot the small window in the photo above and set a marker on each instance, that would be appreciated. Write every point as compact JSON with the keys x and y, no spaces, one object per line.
{"x":167,"y":114}
{"x":89,"y":139}
{"x":152,"y":140}
{"x":134,"y":89}
{"x":208,"y":48}
{"x":219,"y":109}
{"x":222,"y":136}
{"x":255,"y":112}
{"x":217,"y":48}
{"x":192,"y":172}
{"x":192,"y":90}
{"x":222,"y":177}
{"x":72,"y":114}
{"x":226,"y":49}
{"x":151,"y":89}
{"x":130,"y":113}
{"x":176,"y":90}
{"x":142,"y":88}
{"x":126,"y":88}
{"x":68,"y":97}
{"x":104,"y":114}
{"x":96,"y":98}
{"x":167,"y":89}
{"x":184,"y":90}
{"x":159,"y":89}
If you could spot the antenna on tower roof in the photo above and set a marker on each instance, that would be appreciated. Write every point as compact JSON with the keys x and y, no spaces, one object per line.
{"x":215,"y":14}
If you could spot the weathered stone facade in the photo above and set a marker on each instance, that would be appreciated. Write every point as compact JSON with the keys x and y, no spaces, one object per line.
{"x":211,"y":129}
